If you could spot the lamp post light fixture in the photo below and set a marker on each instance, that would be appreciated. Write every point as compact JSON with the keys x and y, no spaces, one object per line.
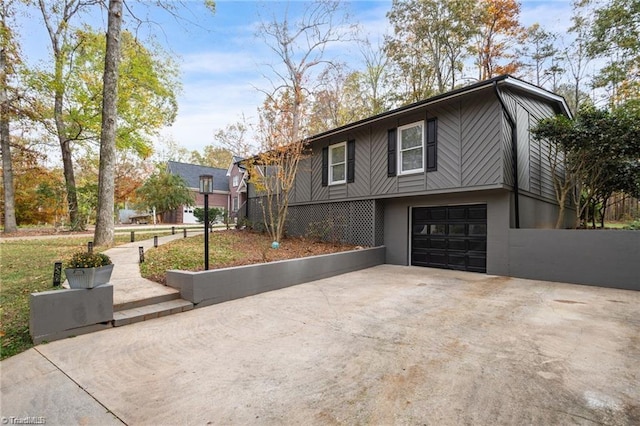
{"x":206,"y":188}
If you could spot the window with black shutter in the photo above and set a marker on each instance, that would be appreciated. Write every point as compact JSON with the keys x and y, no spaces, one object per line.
{"x":432,"y":144}
{"x":351,"y":161}
{"x":338,"y":163}
{"x":325,"y":166}
{"x":391,"y":152}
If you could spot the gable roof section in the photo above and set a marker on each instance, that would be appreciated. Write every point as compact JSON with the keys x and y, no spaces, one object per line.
{"x":500,"y":81}
{"x":235,"y":161}
{"x":191,"y":174}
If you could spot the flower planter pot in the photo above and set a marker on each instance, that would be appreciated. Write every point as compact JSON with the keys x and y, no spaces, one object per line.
{"x":88,"y":277}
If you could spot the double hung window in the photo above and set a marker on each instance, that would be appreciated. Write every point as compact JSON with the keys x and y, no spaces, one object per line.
{"x":411,"y":148}
{"x":338,"y":163}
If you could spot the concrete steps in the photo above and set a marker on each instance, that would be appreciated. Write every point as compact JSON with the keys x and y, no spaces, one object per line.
{"x":143,"y":310}
{"x":146,"y":301}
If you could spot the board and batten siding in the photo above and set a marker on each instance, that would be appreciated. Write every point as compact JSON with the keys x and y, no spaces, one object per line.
{"x":482,"y":140}
{"x":360,"y":187}
{"x":534,"y":171}
{"x":449,"y":150}
{"x":469,"y":154}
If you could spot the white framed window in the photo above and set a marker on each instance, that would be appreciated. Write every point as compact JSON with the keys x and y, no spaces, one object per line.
{"x":236,"y":180}
{"x":411,"y":148}
{"x":338,"y":163}
{"x":236,"y":203}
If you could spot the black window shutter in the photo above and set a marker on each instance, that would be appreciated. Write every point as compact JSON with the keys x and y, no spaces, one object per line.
{"x":351,"y":161}
{"x":325,"y":166}
{"x":432,"y":144}
{"x":391,"y":152}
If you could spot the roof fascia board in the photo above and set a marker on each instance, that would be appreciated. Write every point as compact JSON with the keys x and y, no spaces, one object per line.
{"x":540,"y":92}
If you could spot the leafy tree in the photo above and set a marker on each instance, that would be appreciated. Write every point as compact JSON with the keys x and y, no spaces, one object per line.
{"x":345,"y":96}
{"x":576,"y":55}
{"x":212,"y":156}
{"x":370,"y":86}
{"x":57,"y":15}
{"x":130,"y":175}
{"x":592,"y":156}
{"x":104,"y":231}
{"x":615,"y":35}
{"x":541,"y":50}
{"x":429,"y":44}
{"x":299,"y":47}
{"x":163,"y":192}
{"x":329,"y":108}
{"x":215,"y":214}
{"x":568,"y":92}
{"x":168,"y":149}
{"x":273,"y":171}
{"x":9,"y":58}
{"x":499,"y":30}
{"x":74,"y":88}
{"x":234,"y":138}
{"x":39,"y":191}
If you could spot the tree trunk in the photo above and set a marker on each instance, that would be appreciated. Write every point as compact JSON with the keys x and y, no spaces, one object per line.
{"x":561,"y":206}
{"x":7,"y":169}
{"x":65,"y":144}
{"x":106,"y":181}
{"x":58,"y":100}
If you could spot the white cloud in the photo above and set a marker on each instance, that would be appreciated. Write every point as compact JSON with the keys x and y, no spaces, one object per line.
{"x":553,"y":16}
{"x":216,"y":62}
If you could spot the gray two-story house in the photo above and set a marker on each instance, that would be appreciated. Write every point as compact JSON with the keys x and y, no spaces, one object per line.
{"x":438,"y":182}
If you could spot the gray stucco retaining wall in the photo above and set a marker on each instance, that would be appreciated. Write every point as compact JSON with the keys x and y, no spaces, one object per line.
{"x":607,"y":258}
{"x":57,"y":314}
{"x":221,"y":285}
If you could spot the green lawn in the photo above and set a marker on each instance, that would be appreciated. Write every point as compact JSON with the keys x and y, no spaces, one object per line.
{"x":26,"y":266}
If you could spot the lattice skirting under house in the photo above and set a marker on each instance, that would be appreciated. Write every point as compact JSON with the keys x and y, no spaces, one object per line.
{"x":358,"y":222}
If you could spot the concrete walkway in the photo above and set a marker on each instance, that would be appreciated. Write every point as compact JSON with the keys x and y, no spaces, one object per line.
{"x":128,"y":284}
{"x":382,"y":346}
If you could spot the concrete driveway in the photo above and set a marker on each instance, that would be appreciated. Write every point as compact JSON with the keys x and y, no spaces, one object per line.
{"x":386,"y":345}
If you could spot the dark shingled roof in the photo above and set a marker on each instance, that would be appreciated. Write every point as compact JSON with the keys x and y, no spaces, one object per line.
{"x":191,"y":174}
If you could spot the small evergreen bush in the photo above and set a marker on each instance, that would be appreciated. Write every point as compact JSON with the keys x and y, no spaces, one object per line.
{"x":88,"y":260}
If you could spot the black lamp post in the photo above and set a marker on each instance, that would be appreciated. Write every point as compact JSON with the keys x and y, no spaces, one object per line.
{"x":206,"y":188}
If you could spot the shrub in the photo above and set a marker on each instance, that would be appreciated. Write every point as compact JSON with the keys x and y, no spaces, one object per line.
{"x":87,"y":260}
{"x":635,"y":225}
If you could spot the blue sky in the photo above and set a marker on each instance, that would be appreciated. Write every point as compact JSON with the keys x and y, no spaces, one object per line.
{"x":222,"y":62}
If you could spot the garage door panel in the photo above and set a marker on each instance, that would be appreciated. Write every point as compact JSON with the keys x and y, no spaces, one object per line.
{"x":478,"y":229}
{"x":436,"y":213}
{"x":456,"y":213}
{"x":420,"y":243}
{"x":458,"y":229}
{"x":477,"y":245}
{"x":457,"y":261}
{"x":453,"y":237}
{"x":438,"y":259}
{"x":420,"y":229}
{"x":477,"y":264}
{"x":478,"y":213}
{"x":438,"y":243}
{"x":457,"y":244}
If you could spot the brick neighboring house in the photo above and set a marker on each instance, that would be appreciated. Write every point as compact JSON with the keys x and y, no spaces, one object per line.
{"x":237,"y":176}
{"x":221,"y":197}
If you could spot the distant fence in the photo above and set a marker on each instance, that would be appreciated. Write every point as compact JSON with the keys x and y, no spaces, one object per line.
{"x":607,"y":258}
